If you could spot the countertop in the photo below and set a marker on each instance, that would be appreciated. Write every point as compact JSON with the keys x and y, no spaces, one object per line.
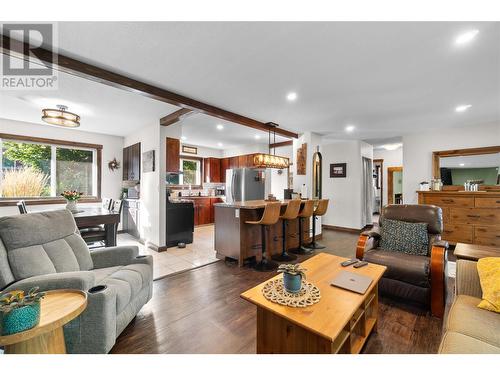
{"x":251,"y":205}
{"x":481,"y":192}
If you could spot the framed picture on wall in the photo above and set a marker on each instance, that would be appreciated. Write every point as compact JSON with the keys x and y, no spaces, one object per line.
{"x":189,"y":150}
{"x":338,"y":170}
{"x":148,"y":161}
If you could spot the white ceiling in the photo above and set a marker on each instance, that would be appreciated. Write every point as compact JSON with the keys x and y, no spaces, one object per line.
{"x":388,"y":79}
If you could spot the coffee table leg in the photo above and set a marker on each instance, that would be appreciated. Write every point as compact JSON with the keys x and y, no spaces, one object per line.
{"x":47,"y":343}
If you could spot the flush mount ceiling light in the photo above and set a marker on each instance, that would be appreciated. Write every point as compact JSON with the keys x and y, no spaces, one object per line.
{"x":220,"y":144}
{"x":466,"y":37}
{"x":392,"y":147}
{"x":462,"y":164}
{"x":61,"y":117}
{"x":462,"y":108}
{"x":220,"y":126}
{"x":256,"y":136}
{"x":183,"y":138}
{"x":350,"y":128}
{"x":291,"y":96}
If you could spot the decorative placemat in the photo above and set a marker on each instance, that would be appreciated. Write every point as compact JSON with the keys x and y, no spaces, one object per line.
{"x":308,"y":295}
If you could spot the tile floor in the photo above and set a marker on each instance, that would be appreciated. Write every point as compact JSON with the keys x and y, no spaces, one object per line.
{"x":201,"y":252}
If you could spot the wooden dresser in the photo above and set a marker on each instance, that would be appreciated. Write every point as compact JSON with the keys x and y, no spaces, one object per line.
{"x":469,"y":217}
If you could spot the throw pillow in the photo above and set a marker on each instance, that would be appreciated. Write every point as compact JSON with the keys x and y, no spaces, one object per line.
{"x":489,"y":277}
{"x":402,"y":236}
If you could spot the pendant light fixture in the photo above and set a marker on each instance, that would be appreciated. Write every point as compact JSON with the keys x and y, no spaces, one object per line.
{"x":61,"y":117}
{"x":268,"y":160}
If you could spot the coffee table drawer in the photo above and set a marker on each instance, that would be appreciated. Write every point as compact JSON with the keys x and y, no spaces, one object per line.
{"x":457,"y":233}
{"x":450,"y":201}
{"x":487,"y":235}
{"x":487,"y":216}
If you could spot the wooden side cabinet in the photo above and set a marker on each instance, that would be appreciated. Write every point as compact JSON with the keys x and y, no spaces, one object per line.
{"x":173,"y":152}
{"x":132,"y":163}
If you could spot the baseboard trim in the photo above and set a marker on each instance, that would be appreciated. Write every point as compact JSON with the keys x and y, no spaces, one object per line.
{"x":155,"y":247}
{"x":341,"y":229}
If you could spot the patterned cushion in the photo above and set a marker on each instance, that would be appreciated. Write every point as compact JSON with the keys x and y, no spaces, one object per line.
{"x":409,"y":238}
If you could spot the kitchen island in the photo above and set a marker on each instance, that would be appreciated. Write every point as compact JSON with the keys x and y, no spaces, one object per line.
{"x":237,"y":240}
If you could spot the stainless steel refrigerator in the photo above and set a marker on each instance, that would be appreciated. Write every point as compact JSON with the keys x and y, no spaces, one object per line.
{"x":245,"y":184}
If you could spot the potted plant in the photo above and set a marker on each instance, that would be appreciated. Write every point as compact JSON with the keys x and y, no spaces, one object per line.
{"x":19,"y":311}
{"x":71,"y":197}
{"x":292,"y":276}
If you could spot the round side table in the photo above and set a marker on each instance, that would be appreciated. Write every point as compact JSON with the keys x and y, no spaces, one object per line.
{"x":57,"y":308}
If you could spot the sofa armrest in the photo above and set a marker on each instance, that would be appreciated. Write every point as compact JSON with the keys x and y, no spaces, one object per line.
{"x":438,"y":286}
{"x":467,"y":279}
{"x":114,"y":256}
{"x":367,"y":240}
{"x":438,"y":242}
{"x":80,"y":280}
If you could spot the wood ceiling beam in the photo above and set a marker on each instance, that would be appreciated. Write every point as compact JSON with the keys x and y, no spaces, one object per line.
{"x":176,"y":116}
{"x":94,"y":73}
{"x":281,"y":144}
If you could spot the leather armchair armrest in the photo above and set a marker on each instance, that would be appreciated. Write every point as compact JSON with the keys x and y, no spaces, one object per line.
{"x":440,"y":243}
{"x":372,"y":233}
{"x":438,"y":285}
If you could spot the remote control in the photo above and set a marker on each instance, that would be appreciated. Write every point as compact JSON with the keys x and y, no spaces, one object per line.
{"x":360,"y":264}
{"x":349,"y":262}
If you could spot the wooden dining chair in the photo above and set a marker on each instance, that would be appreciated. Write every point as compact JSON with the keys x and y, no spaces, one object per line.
{"x":97,"y":235}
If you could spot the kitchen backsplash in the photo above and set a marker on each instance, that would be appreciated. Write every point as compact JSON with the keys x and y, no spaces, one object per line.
{"x":209,"y":189}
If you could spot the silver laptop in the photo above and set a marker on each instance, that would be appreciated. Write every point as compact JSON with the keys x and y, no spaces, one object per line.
{"x":352,"y":281}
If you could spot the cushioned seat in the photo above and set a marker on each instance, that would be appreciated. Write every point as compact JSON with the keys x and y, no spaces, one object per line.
{"x":128,"y":281}
{"x":412,"y":269}
{"x":466,"y":318}
{"x":457,"y":343}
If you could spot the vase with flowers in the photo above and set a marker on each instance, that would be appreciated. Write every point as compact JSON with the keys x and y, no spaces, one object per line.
{"x":19,"y":311}
{"x":71,"y":196}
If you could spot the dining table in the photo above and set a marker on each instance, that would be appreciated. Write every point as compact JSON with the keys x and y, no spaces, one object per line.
{"x":86,"y":217}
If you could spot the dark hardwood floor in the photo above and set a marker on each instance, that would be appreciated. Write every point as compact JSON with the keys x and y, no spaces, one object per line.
{"x":200,"y":311}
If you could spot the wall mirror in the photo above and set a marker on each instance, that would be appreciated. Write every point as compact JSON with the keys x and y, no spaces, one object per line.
{"x":455,"y":167}
{"x":317,"y":170}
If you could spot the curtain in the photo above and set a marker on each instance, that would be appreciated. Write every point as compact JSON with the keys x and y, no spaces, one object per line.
{"x":368,"y":196}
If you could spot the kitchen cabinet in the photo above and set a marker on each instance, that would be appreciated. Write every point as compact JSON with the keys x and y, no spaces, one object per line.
{"x":132,"y":163}
{"x":224,"y":165}
{"x":131,"y":217}
{"x":234,"y":162}
{"x":173,"y":152}
{"x":204,"y":209}
{"x":211,"y":170}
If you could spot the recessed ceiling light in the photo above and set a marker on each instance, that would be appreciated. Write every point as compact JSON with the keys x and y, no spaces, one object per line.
{"x":256,"y":136}
{"x":291,"y":96}
{"x":466,"y":37}
{"x":350,"y":128}
{"x":220,"y":126}
{"x":463,"y":108}
{"x":183,"y":138}
{"x":462,"y":164}
{"x":220,"y":144}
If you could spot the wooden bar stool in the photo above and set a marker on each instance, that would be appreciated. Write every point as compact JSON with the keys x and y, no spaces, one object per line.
{"x":270,"y":216}
{"x":291,"y":213}
{"x":320,"y":210}
{"x":306,"y":212}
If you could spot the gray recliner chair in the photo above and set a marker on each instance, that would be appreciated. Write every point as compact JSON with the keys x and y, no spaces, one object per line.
{"x":46,"y":250}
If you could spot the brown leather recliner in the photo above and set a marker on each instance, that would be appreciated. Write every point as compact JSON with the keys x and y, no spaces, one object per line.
{"x":411,"y":277}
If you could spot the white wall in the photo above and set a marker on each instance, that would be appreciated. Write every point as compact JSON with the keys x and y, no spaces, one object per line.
{"x":203,"y":152}
{"x":392,"y":158}
{"x":345,"y":194}
{"x":149,"y":137}
{"x":246,"y":149}
{"x":418,"y":148}
{"x":112,"y":148}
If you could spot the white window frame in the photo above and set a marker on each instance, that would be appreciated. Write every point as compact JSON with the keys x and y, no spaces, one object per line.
{"x":198,"y":171}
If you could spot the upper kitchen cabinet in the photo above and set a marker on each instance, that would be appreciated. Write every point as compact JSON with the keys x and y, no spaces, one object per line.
{"x":224,"y":165}
{"x":173,"y":151}
{"x":132,"y":162}
{"x":212,"y":170}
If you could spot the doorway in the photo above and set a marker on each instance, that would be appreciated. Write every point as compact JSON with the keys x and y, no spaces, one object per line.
{"x":395,"y":185}
{"x":378,"y":183}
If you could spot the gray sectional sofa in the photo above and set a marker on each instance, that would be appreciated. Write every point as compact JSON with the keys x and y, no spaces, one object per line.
{"x":46,"y":250}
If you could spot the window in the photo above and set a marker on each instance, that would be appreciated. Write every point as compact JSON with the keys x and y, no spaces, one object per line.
{"x":41,"y":168}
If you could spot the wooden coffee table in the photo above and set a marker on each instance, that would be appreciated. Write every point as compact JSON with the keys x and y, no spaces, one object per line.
{"x":57,"y":308}
{"x":475,"y":252}
{"x":339,"y":323}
